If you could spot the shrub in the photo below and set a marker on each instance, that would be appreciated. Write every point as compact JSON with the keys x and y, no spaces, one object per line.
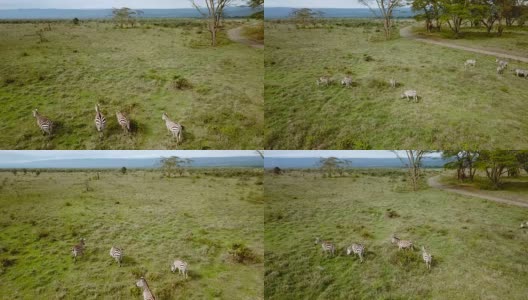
{"x":241,"y":254}
{"x":180,"y":83}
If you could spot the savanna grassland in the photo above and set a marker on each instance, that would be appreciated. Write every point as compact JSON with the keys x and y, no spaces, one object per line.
{"x":456,"y":107}
{"x":160,"y":66}
{"x":512,"y":187}
{"x":513,"y":41}
{"x":202,"y":219}
{"x":479,"y":251}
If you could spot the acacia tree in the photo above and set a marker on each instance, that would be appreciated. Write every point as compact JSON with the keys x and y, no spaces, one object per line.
{"x":496,"y":163}
{"x":462,"y":160}
{"x":215,"y":11}
{"x":429,"y":11}
{"x":125,"y":16}
{"x":332,"y":165}
{"x":304,"y":15}
{"x":385,"y":10}
{"x":413,"y":163}
{"x":174,"y":164}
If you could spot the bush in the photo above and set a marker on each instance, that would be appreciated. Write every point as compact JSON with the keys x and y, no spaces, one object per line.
{"x":180,"y":83}
{"x":241,"y":254}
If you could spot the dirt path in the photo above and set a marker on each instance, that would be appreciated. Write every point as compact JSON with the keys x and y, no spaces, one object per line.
{"x":236,"y":35}
{"x":406,"y":32}
{"x":435,"y":183}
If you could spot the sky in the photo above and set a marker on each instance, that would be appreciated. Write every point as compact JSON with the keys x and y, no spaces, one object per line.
{"x":77,"y":4}
{"x":314,"y":3}
{"x":339,"y":153}
{"x":12,"y":156}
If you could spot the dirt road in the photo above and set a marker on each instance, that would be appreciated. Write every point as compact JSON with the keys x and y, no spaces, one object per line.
{"x":236,"y":35}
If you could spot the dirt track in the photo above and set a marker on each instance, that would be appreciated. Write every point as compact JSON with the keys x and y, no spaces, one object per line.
{"x":236,"y":35}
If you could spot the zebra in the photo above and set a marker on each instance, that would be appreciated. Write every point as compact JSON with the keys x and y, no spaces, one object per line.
{"x":45,"y":124}
{"x":181,"y":266}
{"x":123,"y":121}
{"x":117,"y":254}
{"x":393,"y":83}
{"x":323,"y":80}
{"x":347,"y":81}
{"x":174,"y":128}
{"x":100,"y":120}
{"x":500,"y":69}
{"x":521,"y":73}
{"x":410,"y":94}
{"x":78,"y":249}
{"x":356,"y":249}
{"x":147,"y":293}
{"x":470,"y":62}
{"x":402,"y":244}
{"x":427,"y":257}
{"x":327,"y":246}
{"x":502,"y":63}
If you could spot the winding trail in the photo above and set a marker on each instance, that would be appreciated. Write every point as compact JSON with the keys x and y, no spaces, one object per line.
{"x":435,"y":183}
{"x":407,"y":32}
{"x":236,"y":35}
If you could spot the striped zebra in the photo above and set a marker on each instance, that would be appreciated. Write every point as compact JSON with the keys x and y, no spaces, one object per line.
{"x":427,"y":257}
{"x":356,"y":249}
{"x":100,"y":120}
{"x":117,"y":254}
{"x":123,"y":121}
{"x":327,"y":246}
{"x":181,"y":266}
{"x":45,"y":124}
{"x":78,"y":249}
{"x":147,"y":293}
{"x":174,"y":128}
{"x":402,"y":244}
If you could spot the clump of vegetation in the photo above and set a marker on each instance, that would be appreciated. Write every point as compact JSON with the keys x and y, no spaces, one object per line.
{"x":180,"y":83}
{"x":240,"y":253}
{"x":367,"y":57}
{"x":406,"y":259}
{"x":391,"y":213}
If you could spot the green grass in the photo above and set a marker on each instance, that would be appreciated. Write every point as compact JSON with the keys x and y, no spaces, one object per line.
{"x":457,"y":108}
{"x":478,"y":249}
{"x":514,"y":40}
{"x":133,"y":70}
{"x":155,"y":220}
{"x":513,"y":188}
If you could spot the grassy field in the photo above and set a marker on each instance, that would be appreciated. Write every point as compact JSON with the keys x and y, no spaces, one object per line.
{"x":456,"y":107}
{"x":478,"y":250}
{"x":513,"y":188}
{"x":155,"y":220}
{"x":514,"y":40}
{"x":161,"y":66}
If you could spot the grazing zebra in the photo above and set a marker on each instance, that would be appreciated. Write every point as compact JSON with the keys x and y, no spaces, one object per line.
{"x":502,"y":63}
{"x":117,"y":254}
{"x":521,"y":73}
{"x":100,"y":120}
{"x":327,"y":246}
{"x":524,"y":225}
{"x":356,"y":249}
{"x":402,"y":244}
{"x":323,"y":80}
{"x":123,"y":121}
{"x":410,"y":94}
{"x":470,"y":62}
{"x":181,"y":266}
{"x":147,"y":293}
{"x":427,"y":257}
{"x":347,"y":81}
{"x":78,"y":249}
{"x":174,"y":128}
{"x":500,"y":69}
{"x":392,"y":82}
{"x":45,"y":124}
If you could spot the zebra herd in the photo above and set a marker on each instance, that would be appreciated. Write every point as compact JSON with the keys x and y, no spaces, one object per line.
{"x":413,"y":94}
{"x":174,"y":128}
{"x":329,"y":248}
{"x":501,"y":66}
{"x":117,"y":254}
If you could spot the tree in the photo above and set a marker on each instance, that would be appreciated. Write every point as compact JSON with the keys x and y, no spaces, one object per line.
{"x":256,"y":3}
{"x":14,"y":171}
{"x":174,"y":164}
{"x":522,"y":158}
{"x":332,"y":165}
{"x":125,"y":16}
{"x":496,"y":163}
{"x":462,"y":160}
{"x":430,"y":11}
{"x":454,"y":13}
{"x":215,"y":11}
{"x":75,"y":21}
{"x":277,"y":171}
{"x":413,"y":163}
{"x":385,"y":9}
{"x":123,"y":170}
{"x":304,"y":15}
